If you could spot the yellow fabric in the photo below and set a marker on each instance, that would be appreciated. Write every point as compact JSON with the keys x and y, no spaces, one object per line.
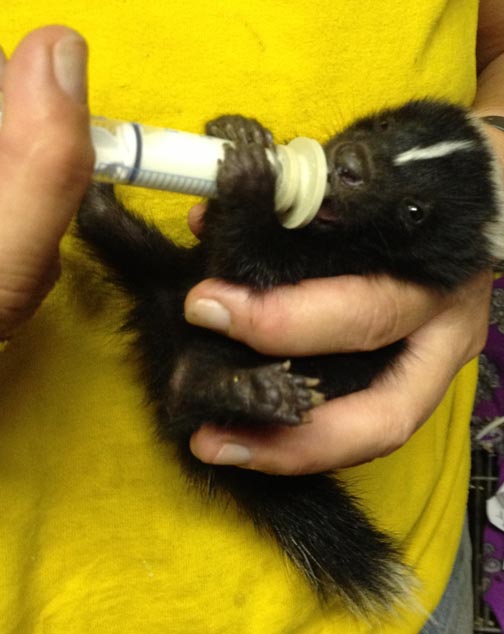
{"x":98,"y":532}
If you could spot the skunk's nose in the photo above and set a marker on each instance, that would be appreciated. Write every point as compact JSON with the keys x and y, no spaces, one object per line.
{"x":350,"y":165}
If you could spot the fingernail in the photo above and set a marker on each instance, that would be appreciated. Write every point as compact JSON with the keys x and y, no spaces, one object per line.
{"x":69,"y":63}
{"x":208,"y":313}
{"x":233,"y":455}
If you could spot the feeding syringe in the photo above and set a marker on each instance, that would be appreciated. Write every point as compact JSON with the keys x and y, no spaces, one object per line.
{"x":161,"y":158}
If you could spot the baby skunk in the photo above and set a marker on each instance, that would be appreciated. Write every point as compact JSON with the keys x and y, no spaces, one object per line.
{"x":414,"y":194}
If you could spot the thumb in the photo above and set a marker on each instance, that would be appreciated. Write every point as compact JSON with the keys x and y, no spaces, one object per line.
{"x":46,"y":160}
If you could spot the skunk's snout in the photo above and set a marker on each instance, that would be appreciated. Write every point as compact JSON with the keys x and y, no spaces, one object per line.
{"x":349,"y":165}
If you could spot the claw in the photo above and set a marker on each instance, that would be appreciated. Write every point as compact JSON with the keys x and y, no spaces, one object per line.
{"x":317,"y":398}
{"x":306,"y":418}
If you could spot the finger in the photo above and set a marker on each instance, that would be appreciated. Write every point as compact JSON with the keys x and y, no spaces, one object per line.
{"x":341,"y":314}
{"x":343,"y":432}
{"x":46,"y":159}
{"x":195,"y":218}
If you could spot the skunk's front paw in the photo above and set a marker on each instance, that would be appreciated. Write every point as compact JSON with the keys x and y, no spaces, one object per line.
{"x":240,"y":129}
{"x":246,"y":177}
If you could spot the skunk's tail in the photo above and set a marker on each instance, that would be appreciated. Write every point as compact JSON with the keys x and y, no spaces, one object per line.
{"x":321,"y":528}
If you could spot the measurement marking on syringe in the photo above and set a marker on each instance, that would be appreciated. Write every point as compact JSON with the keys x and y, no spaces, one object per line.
{"x":138,"y":158}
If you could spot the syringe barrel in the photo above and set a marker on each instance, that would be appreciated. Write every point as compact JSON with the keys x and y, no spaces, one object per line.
{"x":157,"y":158}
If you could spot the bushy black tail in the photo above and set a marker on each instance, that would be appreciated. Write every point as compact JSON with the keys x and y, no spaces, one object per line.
{"x":313,"y":519}
{"x":321,"y":528}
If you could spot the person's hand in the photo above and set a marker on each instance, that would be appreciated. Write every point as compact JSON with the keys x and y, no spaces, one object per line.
{"x":46,"y":159}
{"x":340,"y":315}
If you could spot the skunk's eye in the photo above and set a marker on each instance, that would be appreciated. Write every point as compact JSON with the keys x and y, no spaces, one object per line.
{"x":414,"y":212}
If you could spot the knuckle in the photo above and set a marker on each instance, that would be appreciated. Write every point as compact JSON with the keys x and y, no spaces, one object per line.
{"x":471,"y":314}
{"x":395,"y":428}
{"x":15,"y":308}
{"x":478,"y":342}
{"x":55,"y":152}
{"x":66,"y":159}
{"x":267,"y":328}
{"x":394,"y":435}
{"x":288,"y":465}
{"x":382,"y":326}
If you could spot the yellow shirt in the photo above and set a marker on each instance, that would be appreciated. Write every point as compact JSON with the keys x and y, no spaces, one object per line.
{"x":98,"y":532}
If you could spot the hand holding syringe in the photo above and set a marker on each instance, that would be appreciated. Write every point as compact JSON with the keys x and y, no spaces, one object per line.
{"x":161,"y":158}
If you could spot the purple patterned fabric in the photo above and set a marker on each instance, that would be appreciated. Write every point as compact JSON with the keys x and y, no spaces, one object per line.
{"x":493,"y":562}
{"x":489,"y":408}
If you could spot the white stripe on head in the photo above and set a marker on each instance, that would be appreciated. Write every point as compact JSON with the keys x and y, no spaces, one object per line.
{"x":432,"y":151}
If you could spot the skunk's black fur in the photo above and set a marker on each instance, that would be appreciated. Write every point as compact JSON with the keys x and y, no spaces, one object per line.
{"x":428,"y":217}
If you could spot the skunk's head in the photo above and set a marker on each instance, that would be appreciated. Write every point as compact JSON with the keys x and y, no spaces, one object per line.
{"x":418,"y":187}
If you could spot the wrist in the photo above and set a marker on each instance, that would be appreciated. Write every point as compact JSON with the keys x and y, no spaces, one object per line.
{"x":492,"y":122}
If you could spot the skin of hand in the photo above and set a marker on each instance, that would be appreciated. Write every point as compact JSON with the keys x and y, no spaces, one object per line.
{"x":348,"y":314}
{"x":46,"y":160}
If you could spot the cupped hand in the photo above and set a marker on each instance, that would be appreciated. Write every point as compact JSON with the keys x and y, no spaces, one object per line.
{"x":46,"y":159}
{"x":335,"y":315}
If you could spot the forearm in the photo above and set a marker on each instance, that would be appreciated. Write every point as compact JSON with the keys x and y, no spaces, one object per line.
{"x":489,"y":98}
